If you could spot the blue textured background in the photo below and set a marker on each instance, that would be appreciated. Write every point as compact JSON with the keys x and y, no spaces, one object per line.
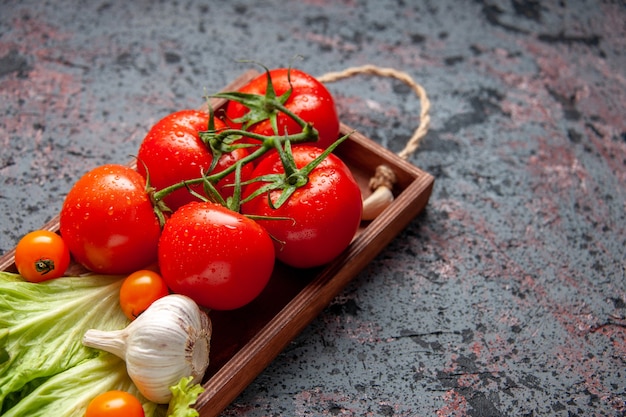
{"x":506,"y":297}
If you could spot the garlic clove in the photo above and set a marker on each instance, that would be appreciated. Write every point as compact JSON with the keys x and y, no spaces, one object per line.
{"x":377,"y":202}
{"x":167,"y":342}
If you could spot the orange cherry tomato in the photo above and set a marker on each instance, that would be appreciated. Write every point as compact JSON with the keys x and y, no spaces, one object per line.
{"x":41,"y":255}
{"x":139,"y":290}
{"x":115,"y":403}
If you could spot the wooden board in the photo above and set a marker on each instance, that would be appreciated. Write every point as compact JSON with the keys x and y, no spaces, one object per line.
{"x":245,"y":341}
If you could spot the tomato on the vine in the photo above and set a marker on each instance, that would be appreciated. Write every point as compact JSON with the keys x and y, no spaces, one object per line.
{"x":173,"y":152}
{"x":310,"y":100}
{"x":139,"y":290}
{"x":41,"y":255}
{"x":108,"y":221}
{"x":114,"y":404}
{"x":218,"y":257}
{"x":319,"y":220}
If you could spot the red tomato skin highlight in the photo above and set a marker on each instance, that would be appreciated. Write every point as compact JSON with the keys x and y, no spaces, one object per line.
{"x":310,"y":100}
{"x":325,"y":213}
{"x":173,"y":152}
{"x":43,"y":247}
{"x":219,"y":258}
{"x":108,"y":221}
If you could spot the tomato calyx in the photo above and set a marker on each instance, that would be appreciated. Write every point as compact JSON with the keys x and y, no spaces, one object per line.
{"x":44,"y":266}
{"x":292,"y":178}
{"x":267,"y":107}
{"x":260,"y":107}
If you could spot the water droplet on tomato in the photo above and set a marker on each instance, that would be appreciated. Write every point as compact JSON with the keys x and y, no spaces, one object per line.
{"x":179,"y":133}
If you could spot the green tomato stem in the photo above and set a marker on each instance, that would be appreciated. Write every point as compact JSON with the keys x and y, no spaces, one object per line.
{"x":225,"y":141}
{"x":268,"y":143}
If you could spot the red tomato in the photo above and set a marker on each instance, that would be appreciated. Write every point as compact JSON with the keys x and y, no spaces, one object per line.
{"x":139,"y":290}
{"x":173,"y":152}
{"x":310,"y":100}
{"x":115,"y":404}
{"x":219,"y":258}
{"x":108,"y":221}
{"x":323,"y":215}
{"x":41,"y":255}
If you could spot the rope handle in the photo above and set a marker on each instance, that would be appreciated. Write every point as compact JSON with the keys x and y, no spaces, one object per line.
{"x":384,"y":178}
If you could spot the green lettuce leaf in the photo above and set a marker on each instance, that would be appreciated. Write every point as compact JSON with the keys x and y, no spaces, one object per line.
{"x":44,"y":368}
{"x":184,"y":395}
{"x":67,"y":394}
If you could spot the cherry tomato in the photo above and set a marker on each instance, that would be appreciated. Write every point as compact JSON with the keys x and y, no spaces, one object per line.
{"x":115,"y":404}
{"x":173,"y":152}
{"x":309,"y":99}
{"x":108,"y":221}
{"x":218,"y":257}
{"x":322,"y":216}
{"x":41,"y":255}
{"x":139,"y":290}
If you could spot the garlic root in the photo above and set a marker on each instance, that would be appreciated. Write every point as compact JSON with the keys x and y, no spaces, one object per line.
{"x":167,"y":342}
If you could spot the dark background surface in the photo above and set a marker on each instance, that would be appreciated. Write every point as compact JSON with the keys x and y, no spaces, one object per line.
{"x":506,"y":297}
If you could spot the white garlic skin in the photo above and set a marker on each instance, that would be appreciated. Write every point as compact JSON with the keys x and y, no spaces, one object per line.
{"x":167,"y":342}
{"x":378,"y":201}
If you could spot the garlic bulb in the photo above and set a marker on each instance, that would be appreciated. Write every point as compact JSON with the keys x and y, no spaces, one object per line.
{"x":167,"y":342}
